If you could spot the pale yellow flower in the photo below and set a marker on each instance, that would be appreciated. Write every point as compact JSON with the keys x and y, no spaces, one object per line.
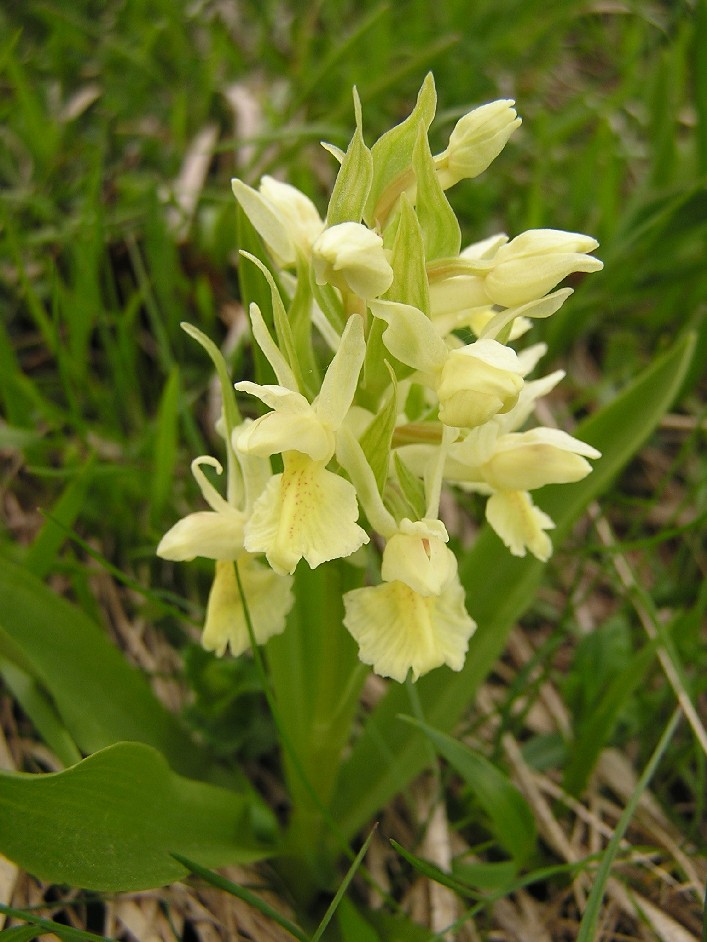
{"x":398,"y":630}
{"x":306,"y":511}
{"x":473,"y":383}
{"x":219,"y":534}
{"x":268,"y":596}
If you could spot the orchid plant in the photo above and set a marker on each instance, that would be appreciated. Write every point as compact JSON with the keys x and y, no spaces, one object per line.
{"x":387,"y":381}
{"x":382,"y":397}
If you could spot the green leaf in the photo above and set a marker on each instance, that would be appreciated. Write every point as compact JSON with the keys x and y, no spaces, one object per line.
{"x":510,"y":817}
{"x":590,"y":917}
{"x":499,"y":589}
{"x":440,"y":229}
{"x":392,"y":156}
{"x":352,"y":925}
{"x":40,"y":709}
{"x":412,"y":487}
{"x":165,"y":447}
{"x":112,"y":822}
{"x":410,"y":284}
{"x":42,"y":554}
{"x":38,"y":927}
{"x":343,"y":886}
{"x":100,"y":698}
{"x":592,"y":734}
{"x":432,"y":872}
{"x":376,"y":440}
{"x":240,"y":892}
{"x":353,"y":180}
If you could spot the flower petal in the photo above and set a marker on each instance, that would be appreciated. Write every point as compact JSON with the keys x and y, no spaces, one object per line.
{"x":519,"y":523}
{"x":524,"y":461}
{"x":288,"y":431}
{"x":269,"y":598}
{"x":410,"y":336}
{"x":206,"y":533}
{"x":398,"y":630}
{"x":339,"y":384}
{"x":307,"y":512}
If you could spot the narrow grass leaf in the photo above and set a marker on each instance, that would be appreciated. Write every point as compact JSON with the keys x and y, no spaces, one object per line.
{"x":352,"y":925}
{"x":164,"y":453}
{"x":590,"y":918}
{"x":41,"y":711}
{"x":700,"y":67}
{"x":356,"y":863}
{"x":113,"y":821}
{"x":38,"y":926}
{"x":41,"y":557}
{"x":510,"y":818}
{"x":594,"y":733}
{"x":240,"y":892}
{"x":434,"y":873}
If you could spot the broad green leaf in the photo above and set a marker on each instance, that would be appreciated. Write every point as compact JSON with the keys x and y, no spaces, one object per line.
{"x":392,"y":156}
{"x":498,"y":875}
{"x":353,"y":180}
{"x":316,"y":678}
{"x":112,"y":822}
{"x":100,"y":698}
{"x":440,"y":229}
{"x":499,"y":589}
{"x":510,"y":817}
{"x":399,"y":928}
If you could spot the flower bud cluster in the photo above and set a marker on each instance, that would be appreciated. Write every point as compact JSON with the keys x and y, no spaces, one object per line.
{"x":423,"y":384}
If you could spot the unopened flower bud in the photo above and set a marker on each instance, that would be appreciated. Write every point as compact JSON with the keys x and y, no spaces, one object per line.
{"x":351,"y":257}
{"x":477,"y":382}
{"x":530,"y":265}
{"x":285,"y":219}
{"x":524,"y":461}
{"x":477,"y":139}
